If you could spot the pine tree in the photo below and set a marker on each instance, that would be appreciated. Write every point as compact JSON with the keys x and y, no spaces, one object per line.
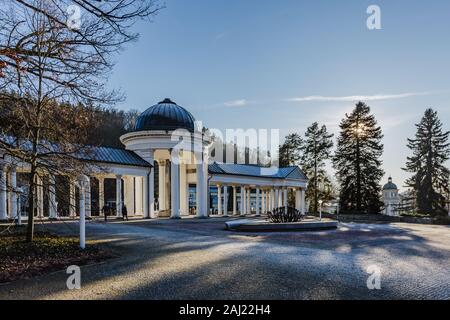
{"x":290,"y":150}
{"x":357,"y":162}
{"x":430,"y":179}
{"x":316,"y":149}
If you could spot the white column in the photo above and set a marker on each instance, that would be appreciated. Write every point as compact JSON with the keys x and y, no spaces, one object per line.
{"x":87,"y":199}
{"x":205,"y":180}
{"x":246,"y":191}
{"x":225,"y":200}
{"x":129,"y":194}
{"x":52,"y":197}
{"x":249,"y":203}
{"x":202,"y":186}
{"x":139,"y":195}
{"x":72,"y":198}
{"x":199,"y":189}
{"x":266,"y":204}
{"x":297,"y":199}
{"x":280,"y":197}
{"x":303,"y":205}
{"x":184,"y":207}
{"x":258,"y":212}
{"x":219,"y":199}
{"x":263,"y":201}
{"x":13,"y":182}
{"x":151,"y":186}
{"x":167,"y":189}
{"x":145,"y":195}
{"x":3,"y":213}
{"x":162,"y":185}
{"x":101,"y":194}
{"x":134,"y":195}
{"x":243,"y":201}
{"x":234,"y":201}
{"x":175,"y":186}
{"x":118,"y":195}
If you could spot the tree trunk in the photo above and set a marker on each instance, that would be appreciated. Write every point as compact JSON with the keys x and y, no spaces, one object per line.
{"x":316,"y":200}
{"x":31,"y":204}
{"x":358,"y":171}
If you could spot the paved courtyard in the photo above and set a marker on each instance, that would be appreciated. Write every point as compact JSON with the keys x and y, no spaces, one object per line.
{"x":198,"y":259}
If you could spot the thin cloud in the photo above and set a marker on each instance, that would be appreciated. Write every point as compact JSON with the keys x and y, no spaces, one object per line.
{"x":360,"y":98}
{"x":220,"y":36}
{"x":236,"y":103}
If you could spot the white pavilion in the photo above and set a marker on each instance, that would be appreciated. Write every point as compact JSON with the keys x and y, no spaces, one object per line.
{"x":164,"y":171}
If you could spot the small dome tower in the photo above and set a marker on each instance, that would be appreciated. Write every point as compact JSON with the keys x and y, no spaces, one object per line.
{"x":390,"y":197}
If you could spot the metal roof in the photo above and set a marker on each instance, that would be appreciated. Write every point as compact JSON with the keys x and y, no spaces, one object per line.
{"x":86,"y":153}
{"x":116,"y":156}
{"x":293,"y":172}
{"x":166,"y":115}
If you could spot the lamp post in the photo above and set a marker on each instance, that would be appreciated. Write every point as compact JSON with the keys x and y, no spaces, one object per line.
{"x":320,"y":209}
{"x":82,"y":182}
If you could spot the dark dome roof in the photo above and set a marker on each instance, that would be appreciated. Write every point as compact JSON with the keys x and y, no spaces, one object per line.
{"x":390,"y":185}
{"x":166,"y":115}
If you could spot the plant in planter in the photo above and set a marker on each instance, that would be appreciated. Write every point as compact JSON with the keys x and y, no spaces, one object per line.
{"x":283,"y":214}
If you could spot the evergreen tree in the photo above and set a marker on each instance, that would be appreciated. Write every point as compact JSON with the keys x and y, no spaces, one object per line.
{"x":316,"y":149}
{"x":430,"y":179}
{"x":357,"y":161}
{"x":290,"y":150}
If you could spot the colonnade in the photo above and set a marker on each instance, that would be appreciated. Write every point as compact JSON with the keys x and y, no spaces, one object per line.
{"x":132,"y":196}
{"x":266,"y":198}
{"x":137,"y":193}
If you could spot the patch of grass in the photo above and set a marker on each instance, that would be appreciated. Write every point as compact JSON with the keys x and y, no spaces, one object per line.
{"x":48,"y":253}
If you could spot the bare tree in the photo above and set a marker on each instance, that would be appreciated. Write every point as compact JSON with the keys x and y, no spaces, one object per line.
{"x":51,"y":52}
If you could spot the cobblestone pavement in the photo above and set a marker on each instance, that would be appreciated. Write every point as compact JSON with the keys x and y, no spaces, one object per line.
{"x":198,"y":259}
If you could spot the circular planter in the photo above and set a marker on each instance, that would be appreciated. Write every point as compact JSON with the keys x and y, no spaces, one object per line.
{"x":266,"y":226}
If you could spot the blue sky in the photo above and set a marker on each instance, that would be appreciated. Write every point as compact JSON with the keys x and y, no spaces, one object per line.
{"x":284,"y":64}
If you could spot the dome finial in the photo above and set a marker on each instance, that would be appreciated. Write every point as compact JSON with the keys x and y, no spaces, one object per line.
{"x":167,"y":100}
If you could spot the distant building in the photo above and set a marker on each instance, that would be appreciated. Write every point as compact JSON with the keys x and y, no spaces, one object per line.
{"x":391,"y":198}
